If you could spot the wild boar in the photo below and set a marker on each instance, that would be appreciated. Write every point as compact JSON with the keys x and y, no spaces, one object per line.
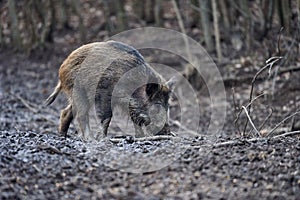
{"x":89,"y":76}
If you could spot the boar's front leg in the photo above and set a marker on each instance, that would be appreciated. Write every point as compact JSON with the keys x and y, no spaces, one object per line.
{"x":103,"y":105}
{"x":104,"y":124}
{"x":105,"y":115}
{"x":66,"y":117}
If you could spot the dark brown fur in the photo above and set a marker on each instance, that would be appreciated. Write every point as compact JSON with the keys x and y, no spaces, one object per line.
{"x":89,"y":75}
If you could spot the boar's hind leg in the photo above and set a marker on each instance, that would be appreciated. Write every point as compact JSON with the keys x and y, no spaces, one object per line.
{"x":83,"y":121}
{"x":105,"y":125}
{"x":66,"y":118}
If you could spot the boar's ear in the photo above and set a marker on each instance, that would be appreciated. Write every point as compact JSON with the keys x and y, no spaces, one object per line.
{"x":152,"y":89}
{"x":171,"y":83}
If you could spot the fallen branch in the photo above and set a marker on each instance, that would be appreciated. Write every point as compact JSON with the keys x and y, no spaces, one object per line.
{"x":52,"y":149}
{"x":49,"y":148}
{"x":242,"y":141}
{"x":143,"y":139}
{"x":232,"y":142}
{"x":266,"y":119}
{"x":289,"y":69}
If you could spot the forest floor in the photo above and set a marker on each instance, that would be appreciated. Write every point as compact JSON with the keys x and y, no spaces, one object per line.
{"x":37,"y":163}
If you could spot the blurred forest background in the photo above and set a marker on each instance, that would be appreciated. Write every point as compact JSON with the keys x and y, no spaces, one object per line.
{"x":225,"y":28}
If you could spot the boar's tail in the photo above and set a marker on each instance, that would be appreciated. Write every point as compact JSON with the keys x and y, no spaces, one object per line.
{"x":54,"y":94}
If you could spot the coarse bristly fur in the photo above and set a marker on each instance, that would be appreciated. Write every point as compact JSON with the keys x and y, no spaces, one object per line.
{"x":89,"y":75}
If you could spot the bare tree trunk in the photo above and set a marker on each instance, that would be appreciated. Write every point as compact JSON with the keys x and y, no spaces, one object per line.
{"x":1,"y":37}
{"x":16,"y":38}
{"x":46,"y":21}
{"x":139,"y":8}
{"x":181,"y":25}
{"x":62,"y":16}
{"x":216,"y":28}
{"x":284,"y":14}
{"x":233,"y":14}
{"x":225,"y":17}
{"x":268,"y":10}
{"x":189,"y":71}
{"x":298,"y":11}
{"x":247,"y":25}
{"x":30,"y":21}
{"x":109,"y":25}
{"x":149,"y":14}
{"x":76,"y":7}
{"x":298,"y":29}
{"x":194,"y":4}
{"x":206,"y":23}
{"x":121,"y":16}
{"x":158,"y":12}
{"x":41,"y":15}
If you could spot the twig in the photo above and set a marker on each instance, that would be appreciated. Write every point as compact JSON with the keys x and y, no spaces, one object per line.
{"x":25,"y":103}
{"x":289,"y":69}
{"x":282,"y":63}
{"x":33,"y":108}
{"x":280,"y":123}
{"x":269,"y":63}
{"x":36,"y":168}
{"x":236,"y":80}
{"x":278,"y":40}
{"x":50,"y":148}
{"x":231,"y":142}
{"x":287,"y":134}
{"x":266,"y":119}
{"x":238,"y":115}
{"x":235,"y":109}
{"x":252,"y":124}
{"x":177,"y":123}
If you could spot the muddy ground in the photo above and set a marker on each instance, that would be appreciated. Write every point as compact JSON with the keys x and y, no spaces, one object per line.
{"x":37,"y":163}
